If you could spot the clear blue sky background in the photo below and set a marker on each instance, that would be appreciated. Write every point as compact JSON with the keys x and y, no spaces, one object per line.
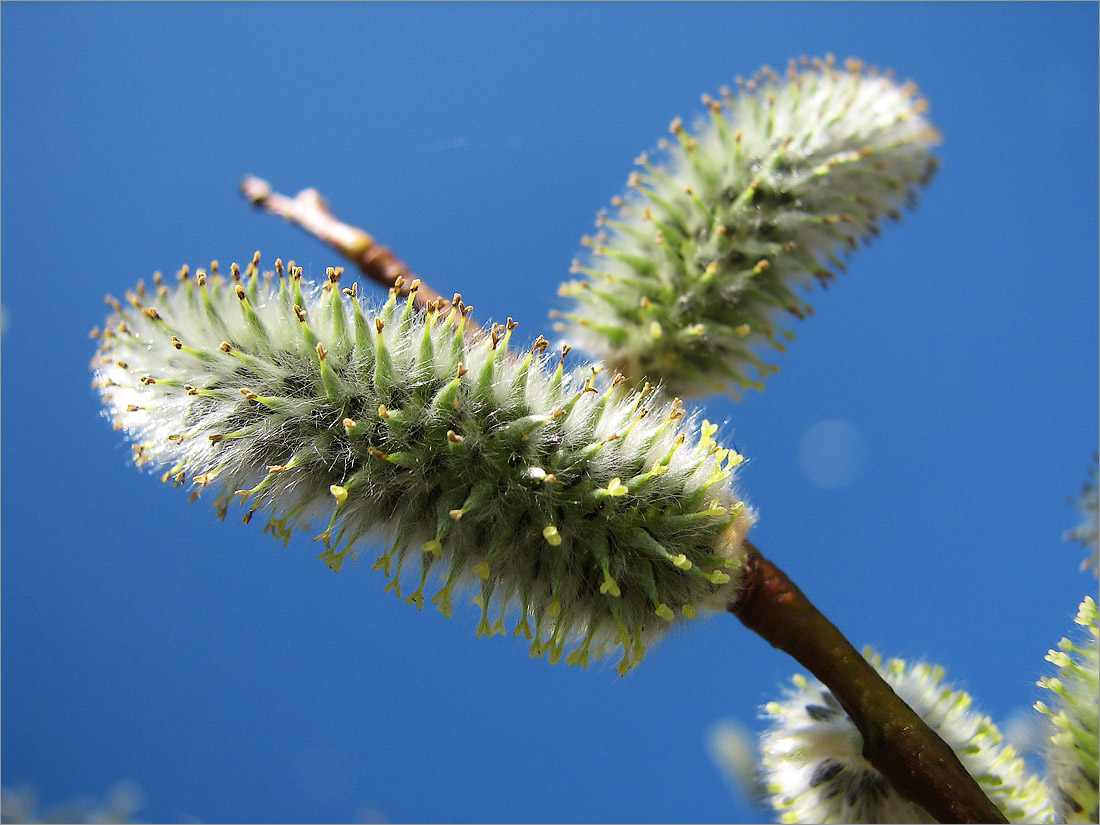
{"x":236,"y":680}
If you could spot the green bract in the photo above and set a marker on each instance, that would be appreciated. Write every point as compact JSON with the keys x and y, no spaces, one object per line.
{"x":707,"y":250}
{"x":603,"y":514}
{"x":1072,"y":751}
{"x":814,"y":769}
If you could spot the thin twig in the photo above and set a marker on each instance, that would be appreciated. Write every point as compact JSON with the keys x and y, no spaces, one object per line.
{"x":896,"y":741}
{"x":310,"y":211}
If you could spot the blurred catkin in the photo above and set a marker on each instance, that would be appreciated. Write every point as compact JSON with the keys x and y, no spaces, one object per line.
{"x":708,"y":249}
{"x":1072,"y":724}
{"x":814,"y":769}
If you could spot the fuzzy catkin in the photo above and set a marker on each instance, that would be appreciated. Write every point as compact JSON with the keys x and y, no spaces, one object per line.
{"x":706,"y":253}
{"x":815,"y":772}
{"x":1072,"y":753}
{"x":603,"y":514}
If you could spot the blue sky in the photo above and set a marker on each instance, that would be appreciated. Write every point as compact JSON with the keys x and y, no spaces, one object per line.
{"x":237,"y":680}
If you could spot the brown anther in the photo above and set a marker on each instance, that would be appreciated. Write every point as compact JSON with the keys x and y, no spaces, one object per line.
{"x":349,"y":424}
{"x":132,"y":408}
{"x":565,"y":349}
{"x":511,"y":325}
{"x":202,"y":480}
{"x":145,"y":379}
{"x":379,"y":323}
{"x":201,"y":278}
{"x":398,"y":284}
{"x":191,"y":390}
{"x":558,"y":413}
{"x":462,"y":370}
{"x":610,"y":438}
{"x":248,"y":516}
{"x":239,"y":290}
{"x":762,"y":264}
{"x":632,"y":179}
{"x":175,"y":437}
{"x":121,"y":364}
{"x":321,"y":351}
{"x":454,"y":437}
{"x":540,"y":345}
{"x":256,"y":258}
{"x":300,"y":313}
{"x":550,"y":478}
{"x":249,"y":394}
{"x":177,"y":343}
{"x":677,"y":126}
{"x":235,"y":271}
{"x":225,"y":347}
{"x":374,"y":451}
{"x":184,"y":273}
{"x":276,"y":468}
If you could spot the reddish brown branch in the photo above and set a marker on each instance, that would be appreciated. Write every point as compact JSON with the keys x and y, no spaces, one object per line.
{"x":309,"y":211}
{"x":896,"y":741}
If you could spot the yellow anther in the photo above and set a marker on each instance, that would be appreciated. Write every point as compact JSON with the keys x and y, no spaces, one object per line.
{"x":552,"y":536}
{"x":435,"y":547}
{"x":742,"y":331}
{"x":655,"y":329}
{"x":615,"y":487}
{"x":610,"y":586}
{"x":456,"y":514}
{"x":339,"y":493}
{"x":682,"y":561}
{"x":688,"y":611}
{"x":482,"y":570}
{"x":665,"y":612}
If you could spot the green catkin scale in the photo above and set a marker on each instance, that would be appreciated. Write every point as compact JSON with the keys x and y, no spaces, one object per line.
{"x":702,"y":261}
{"x":1072,"y":727}
{"x":814,"y":769}
{"x":597,"y":514}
